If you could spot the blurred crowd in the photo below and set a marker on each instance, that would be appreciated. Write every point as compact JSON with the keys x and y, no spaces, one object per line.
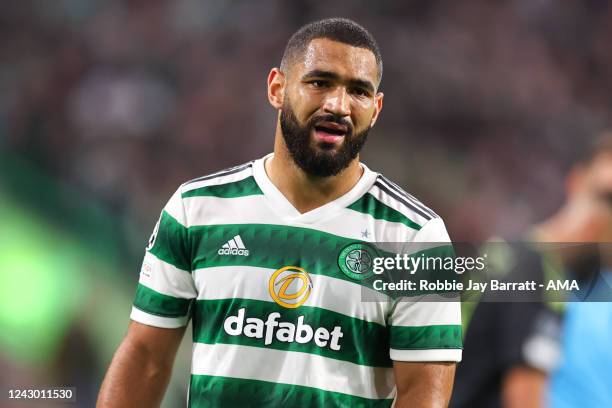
{"x":126,"y":99}
{"x":486,"y":103}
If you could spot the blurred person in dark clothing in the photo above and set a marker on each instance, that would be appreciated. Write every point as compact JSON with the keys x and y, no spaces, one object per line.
{"x":582,"y":378}
{"x":511,"y":348}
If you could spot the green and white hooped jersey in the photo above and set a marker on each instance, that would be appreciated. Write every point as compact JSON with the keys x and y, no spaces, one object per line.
{"x":276,"y":322}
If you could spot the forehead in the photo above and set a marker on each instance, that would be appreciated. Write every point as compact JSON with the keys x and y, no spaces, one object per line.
{"x":343,"y":59}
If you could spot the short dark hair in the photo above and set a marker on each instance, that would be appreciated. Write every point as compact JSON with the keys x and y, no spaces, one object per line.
{"x":341,"y":30}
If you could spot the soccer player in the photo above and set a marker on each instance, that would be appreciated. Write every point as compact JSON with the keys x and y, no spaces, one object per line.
{"x":254,"y":256}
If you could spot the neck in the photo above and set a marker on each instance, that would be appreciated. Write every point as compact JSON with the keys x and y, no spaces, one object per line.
{"x":306,"y":192}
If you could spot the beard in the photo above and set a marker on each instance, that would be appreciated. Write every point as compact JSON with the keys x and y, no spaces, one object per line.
{"x":326,"y":159}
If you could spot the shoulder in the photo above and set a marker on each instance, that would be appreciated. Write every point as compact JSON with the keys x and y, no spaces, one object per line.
{"x":235,"y":181}
{"x":388,"y":194}
{"x":211,"y":184}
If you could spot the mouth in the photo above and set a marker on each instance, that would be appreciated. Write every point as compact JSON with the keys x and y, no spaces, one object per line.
{"x":329,"y":132}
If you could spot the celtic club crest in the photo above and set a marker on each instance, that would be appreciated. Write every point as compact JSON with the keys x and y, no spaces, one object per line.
{"x":356,"y":260}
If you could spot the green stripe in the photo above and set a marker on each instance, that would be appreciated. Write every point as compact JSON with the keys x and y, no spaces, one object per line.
{"x":270,"y":246}
{"x":241,"y":188}
{"x":171,"y":243}
{"x":274,"y":246}
{"x":368,"y":204}
{"x":426,"y":337}
{"x":362,"y":342}
{"x":159,"y":304}
{"x":210,"y":391}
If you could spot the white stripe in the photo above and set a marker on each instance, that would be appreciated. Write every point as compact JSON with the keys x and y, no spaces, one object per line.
{"x":425,"y":311}
{"x":230,"y":178}
{"x":166,"y":279}
{"x":239,"y":242}
{"x":226,"y":245}
{"x":158,"y":321}
{"x":426,"y":355}
{"x":309,"y":370}
{"x":256,"y":210}
{"x":433,"y":231}
{"x":250,"y":282}
{"x":232,"y":244}
{"x":380,"y":231}
{"x":175,"y":208}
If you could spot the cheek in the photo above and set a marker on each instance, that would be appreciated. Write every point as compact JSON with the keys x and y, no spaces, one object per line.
{"x":362,"y":115}
{"x":305,"y":104}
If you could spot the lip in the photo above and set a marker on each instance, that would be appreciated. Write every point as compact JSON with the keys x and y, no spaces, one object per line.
{"x":328,"y":138}
{"x":333,"y":126}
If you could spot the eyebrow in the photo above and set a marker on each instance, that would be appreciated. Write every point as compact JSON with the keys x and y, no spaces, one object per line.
{"x":317,"y":73}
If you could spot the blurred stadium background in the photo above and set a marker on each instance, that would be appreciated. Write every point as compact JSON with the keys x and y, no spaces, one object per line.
{"x":108,"y":105}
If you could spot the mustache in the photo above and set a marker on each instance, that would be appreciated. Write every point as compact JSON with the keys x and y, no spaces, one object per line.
{"x":331,"y":118}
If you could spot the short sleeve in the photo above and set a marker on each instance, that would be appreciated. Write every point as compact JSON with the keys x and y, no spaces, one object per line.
{"x":427,"y":328}
{"x":166,"y":288}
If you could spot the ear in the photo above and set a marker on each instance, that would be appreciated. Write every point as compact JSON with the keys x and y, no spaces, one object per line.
{"x":378,"y":104}
{"x":276,"y":88}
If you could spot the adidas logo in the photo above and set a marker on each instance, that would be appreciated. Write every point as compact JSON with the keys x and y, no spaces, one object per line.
{"x":234,"y":246}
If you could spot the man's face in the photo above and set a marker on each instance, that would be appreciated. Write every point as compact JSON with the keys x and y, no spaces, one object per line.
{"x":329,"y":105}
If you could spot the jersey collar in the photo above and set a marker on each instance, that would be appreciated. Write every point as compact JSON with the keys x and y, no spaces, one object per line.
{"x":285,"y":209}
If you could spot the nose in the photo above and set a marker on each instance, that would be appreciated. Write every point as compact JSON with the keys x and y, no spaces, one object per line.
{"x":337,"y":102}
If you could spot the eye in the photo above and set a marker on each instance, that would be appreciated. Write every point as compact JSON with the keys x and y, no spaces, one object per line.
{"x":319,"y":83}
{"x":361,"y":92}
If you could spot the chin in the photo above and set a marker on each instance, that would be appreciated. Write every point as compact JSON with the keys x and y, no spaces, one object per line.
{"x":327,"y":147}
